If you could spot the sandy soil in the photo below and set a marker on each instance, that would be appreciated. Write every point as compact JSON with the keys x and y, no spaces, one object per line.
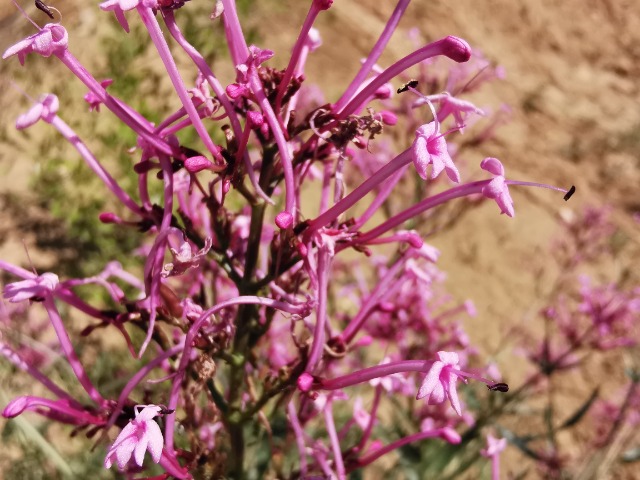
{"x":572,"y":82}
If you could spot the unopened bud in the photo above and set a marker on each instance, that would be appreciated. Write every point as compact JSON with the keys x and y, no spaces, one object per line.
{"x":388,"y":118}
{"x":109,"y":217}
{"x":305,"y":381}
{"x":197,"y":164}
{"x":284,"y":220}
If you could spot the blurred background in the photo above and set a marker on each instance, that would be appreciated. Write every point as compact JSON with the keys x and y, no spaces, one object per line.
{"x":571,"y":86}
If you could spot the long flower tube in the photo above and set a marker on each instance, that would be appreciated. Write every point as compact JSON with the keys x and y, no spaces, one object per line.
{"x":67,"y":132}
{"x":142,"y":128}
{"x":221,"y":95}
{"x":233,"y":31}
{"x":284,"y":149}
{"x":299,"y":434}
{"x":60,"y":410}
{"x":374,"y":55}
{"x":445,"y":433}
{"x":69,"y":352}
{"x":7,"y":352}
{"x":151,"y":23}
{"x":453,"y":47}
{"x":373,"y":299}
{"x":317,"y":346}
{"x":370,"y":373}
{"x":135,"y":381}
{"x":314,"y":9}
{"x":330,"y":424}
{"x":360,"y":192}
{"x":466,"y":189}
{"x":154,"y":266}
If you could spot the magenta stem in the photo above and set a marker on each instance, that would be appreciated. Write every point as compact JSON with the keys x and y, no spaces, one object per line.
{"x":374,"y":55}
{"x":317,"y":347}
{"x":159,"y":41}
{"x":312,"y":14}
{"x":362,"y":462}
{"x":333,"y":440}
{"x":370,"y":373}
{"x":453,"y":47}
{"x":363,"y":189}
{"x":67,"y":132}
{"x":69,"y":352}
{"x":142,"y":128}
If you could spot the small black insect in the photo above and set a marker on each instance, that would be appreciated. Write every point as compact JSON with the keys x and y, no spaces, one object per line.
{"x":408,"y":85}
{"x":499,"y":387}
{"x":40,"y":5}
{"x":571,"y":191}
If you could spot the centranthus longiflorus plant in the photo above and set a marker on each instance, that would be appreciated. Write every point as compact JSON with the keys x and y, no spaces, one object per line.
{"x":289,"y":320}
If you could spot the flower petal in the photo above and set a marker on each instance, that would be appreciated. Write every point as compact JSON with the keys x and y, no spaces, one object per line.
{"x":156,"y":441}
{"x":421,"y":157}
{"x":430,"y":381}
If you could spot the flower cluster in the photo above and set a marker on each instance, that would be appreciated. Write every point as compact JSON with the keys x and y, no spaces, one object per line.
{"x":248,"y":306}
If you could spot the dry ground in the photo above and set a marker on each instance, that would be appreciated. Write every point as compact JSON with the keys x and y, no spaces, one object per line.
{"x":572,"y":82}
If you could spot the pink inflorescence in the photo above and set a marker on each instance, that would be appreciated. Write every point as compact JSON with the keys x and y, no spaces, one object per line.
{"x":250,"y":310}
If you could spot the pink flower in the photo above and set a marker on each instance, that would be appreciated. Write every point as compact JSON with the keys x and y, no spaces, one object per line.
{"x":92,"y":99}
{"x":53,"y":38}
{"x":494,"y":446}
{"x":360,"y":415}
{"x":33,"y":288}
{"x":120,"y":6}
{"x":140,"y":435}
{"x":440,"y":382}
{"x":184,"y":259}
{"x":497,"y":189}
{"x":202,"y":96}
{"x":429,"y":147}
{"x":44,"y":109}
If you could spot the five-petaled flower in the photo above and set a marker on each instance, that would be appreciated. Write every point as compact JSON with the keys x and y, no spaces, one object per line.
{"x":140,"y":435}
{"x":497,"y":188}
{"x":430,"y":148}
{"x":440,"y":382}
{"x":31,"y":289}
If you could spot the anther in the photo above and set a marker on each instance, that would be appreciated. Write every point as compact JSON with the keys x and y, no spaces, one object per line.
{"x":499,"y":387}
{"x":40,"y":5}
{"x":407,"y":86}
{"x":571,"y":191}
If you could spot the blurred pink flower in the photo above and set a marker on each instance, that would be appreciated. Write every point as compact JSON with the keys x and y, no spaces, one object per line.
{"x":32,"y":288}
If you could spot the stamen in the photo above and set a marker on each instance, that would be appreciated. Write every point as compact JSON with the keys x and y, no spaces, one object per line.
{"x":407,"y":86}
{"x":40,"y":5}
{"x":570,"y":193}
{"x":499,"y":387}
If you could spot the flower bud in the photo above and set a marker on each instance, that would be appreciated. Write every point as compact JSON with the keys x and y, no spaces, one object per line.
{"x":284,"y":220}
{"x":305,"y":381}
{"x":15,"y":407}
{"x":109,"y":217}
